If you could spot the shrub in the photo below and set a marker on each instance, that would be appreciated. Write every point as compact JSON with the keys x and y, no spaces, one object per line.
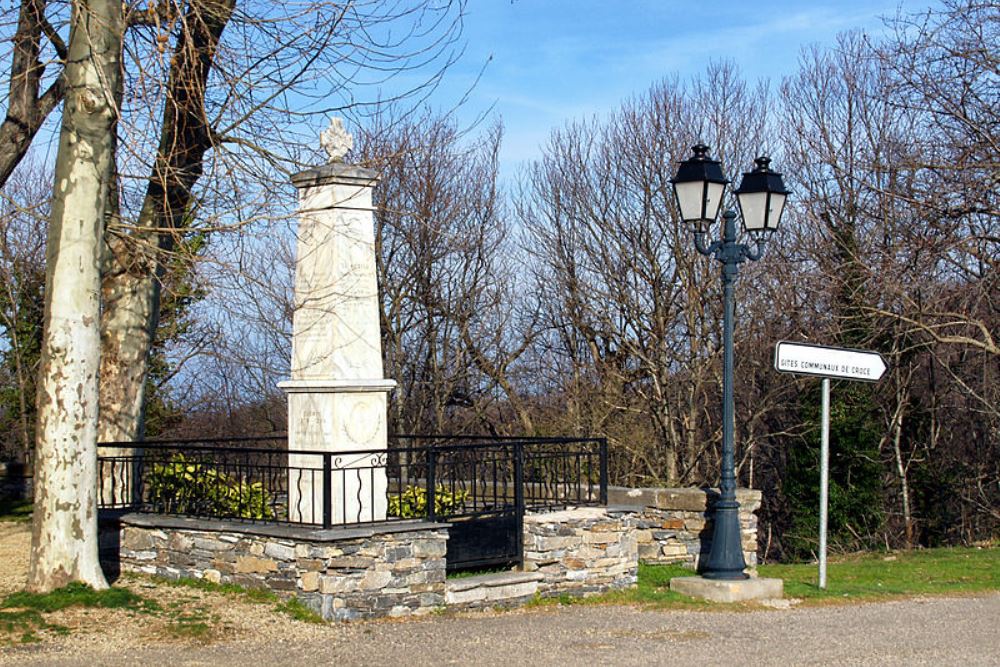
{"x":181,"y":486}
{"x":412,"y":502}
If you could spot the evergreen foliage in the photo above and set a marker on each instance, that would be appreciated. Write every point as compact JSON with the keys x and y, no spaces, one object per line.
{"x":21,"y":316}
{"x":855,"y":492}
{"x":412,"y":503}
{"x":184,"y":486}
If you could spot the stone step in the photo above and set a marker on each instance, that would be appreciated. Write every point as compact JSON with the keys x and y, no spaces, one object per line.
{"x":487,"y":590}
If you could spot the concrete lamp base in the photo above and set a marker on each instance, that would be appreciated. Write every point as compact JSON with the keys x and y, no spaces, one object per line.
{"x":718,"y":590}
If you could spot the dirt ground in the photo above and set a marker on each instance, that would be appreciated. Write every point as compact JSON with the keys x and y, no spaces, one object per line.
{"x":15,"y":540}
{"x":114,"y":631}
{"x":938,"y":631}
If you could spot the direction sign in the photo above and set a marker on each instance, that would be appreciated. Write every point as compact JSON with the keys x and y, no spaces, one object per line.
{"x":828,"y":362}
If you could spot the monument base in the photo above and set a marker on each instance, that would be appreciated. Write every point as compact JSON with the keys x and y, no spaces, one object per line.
{"x":340,"y":424}
{"x":719,"y":590}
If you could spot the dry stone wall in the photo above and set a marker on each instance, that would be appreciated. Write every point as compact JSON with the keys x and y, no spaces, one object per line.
{"x":342,"y":574}
{"x":675,"y":525}
{"x":398,"y":569}
{"x":581,"y":551}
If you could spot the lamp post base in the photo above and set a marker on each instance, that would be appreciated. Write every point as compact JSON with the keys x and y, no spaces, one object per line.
{"x":725,"y":559}
{"x":728,"y":591}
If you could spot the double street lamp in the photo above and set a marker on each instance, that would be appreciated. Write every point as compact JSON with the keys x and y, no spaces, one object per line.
{"x":700,"y":188}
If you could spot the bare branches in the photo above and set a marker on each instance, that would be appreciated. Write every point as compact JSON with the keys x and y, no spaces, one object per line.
{"x":934,"y":323}
{"x":618,"y":278}
{"x":27,"y":105}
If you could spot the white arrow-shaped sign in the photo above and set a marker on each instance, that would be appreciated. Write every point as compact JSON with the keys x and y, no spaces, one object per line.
{"x":828,"y":362}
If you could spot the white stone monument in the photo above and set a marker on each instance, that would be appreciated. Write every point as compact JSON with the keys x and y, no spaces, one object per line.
{"x":336,"y":395}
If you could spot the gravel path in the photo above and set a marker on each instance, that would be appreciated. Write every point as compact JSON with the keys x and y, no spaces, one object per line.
{"x":937,"y":631}
{"x":959,"y":631}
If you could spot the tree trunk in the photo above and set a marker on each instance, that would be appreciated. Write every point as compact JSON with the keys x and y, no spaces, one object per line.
{"x":128,"y":321}
{"x":901,"y":467}
{"x":64,"y":532}
{"x":132,"y":281}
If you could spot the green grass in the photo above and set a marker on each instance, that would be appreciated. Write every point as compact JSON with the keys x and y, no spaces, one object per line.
{"x":189,"y":627}
{"x":863,"y":577}
{"x":79,"y":595}
{"x":15,"y":510}
{"x":652,"y":589}
{"x":255,"y":595}
{"x":884,"y":575}
{"x":189,"y":620}
{"x":22,"y":614}
{"x":22,"y":626}
{"x":293,"y":607}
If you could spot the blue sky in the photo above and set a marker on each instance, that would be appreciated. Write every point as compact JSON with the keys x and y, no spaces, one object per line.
{"x":554,"y":60}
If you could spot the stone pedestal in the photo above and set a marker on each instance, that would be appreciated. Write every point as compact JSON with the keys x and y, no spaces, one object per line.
{"x":718,"y":590}
{"x":336,"y":395}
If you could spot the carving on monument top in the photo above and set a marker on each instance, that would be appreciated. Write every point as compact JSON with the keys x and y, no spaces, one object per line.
{"x":335,"y":140}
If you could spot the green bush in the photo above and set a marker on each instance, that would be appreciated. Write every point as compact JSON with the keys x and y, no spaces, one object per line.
{"x":181,"y":486}
{"x":412,"y":502}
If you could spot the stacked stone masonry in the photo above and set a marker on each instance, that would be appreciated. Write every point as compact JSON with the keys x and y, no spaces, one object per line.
{"x":675,"y":525}
{"x":398,"y":569}
{"x":346,"y":574}
{"x":497,"y":589}
{"x":582,"y":551}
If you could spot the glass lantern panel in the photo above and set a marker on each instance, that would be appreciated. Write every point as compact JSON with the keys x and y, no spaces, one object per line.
{"x":753,"y":205}
{"x":690,"y":197}
{"x":777,"y":206}
{"x":713,"y":200}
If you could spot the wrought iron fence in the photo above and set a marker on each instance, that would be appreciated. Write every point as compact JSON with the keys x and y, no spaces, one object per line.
{"x":429,"y":477}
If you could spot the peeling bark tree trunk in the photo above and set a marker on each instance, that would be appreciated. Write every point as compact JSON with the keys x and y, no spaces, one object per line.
{"x":64,"y":545}
{"x":130,"y":298}
{"x":132,"y":281}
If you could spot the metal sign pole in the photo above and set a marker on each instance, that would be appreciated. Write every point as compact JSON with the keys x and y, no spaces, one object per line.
{"x":824,"y":479}
{"x":842,"y":363}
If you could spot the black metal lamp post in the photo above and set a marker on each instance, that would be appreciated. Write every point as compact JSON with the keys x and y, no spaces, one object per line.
{"x":700,"y":188}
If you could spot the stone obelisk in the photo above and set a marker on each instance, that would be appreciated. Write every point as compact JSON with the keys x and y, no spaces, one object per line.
{"x":336,"y":394}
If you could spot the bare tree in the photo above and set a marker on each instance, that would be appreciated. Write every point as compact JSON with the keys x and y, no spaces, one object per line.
{"x":623,"y":289}
{"x":35,"y":41}
{"x":942,"y":66}
{"x":449,"y":304}
{"x":214,"y":97}
{"x":226,"y":135}
{"x":23,"y":213}
{"x":135,"y":268}
{"x":453,"y":322}
{"x":64,"y":530}
{"x":896,"y":259}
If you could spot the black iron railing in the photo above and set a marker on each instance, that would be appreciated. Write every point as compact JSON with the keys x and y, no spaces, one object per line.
{"x":426,"y":477}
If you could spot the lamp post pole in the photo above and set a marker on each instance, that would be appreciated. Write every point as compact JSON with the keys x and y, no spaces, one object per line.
{"x":700,"y":189}
{"x":725,"y":560}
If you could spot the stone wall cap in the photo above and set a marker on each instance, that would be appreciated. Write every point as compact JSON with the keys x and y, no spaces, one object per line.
{"x":333,"y":174}
{"x":493,"y":580}
{"x":285,"y":531}
{"x":569,"y":514}
{"x":625,"y":509}
{"x":691,"y":499}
